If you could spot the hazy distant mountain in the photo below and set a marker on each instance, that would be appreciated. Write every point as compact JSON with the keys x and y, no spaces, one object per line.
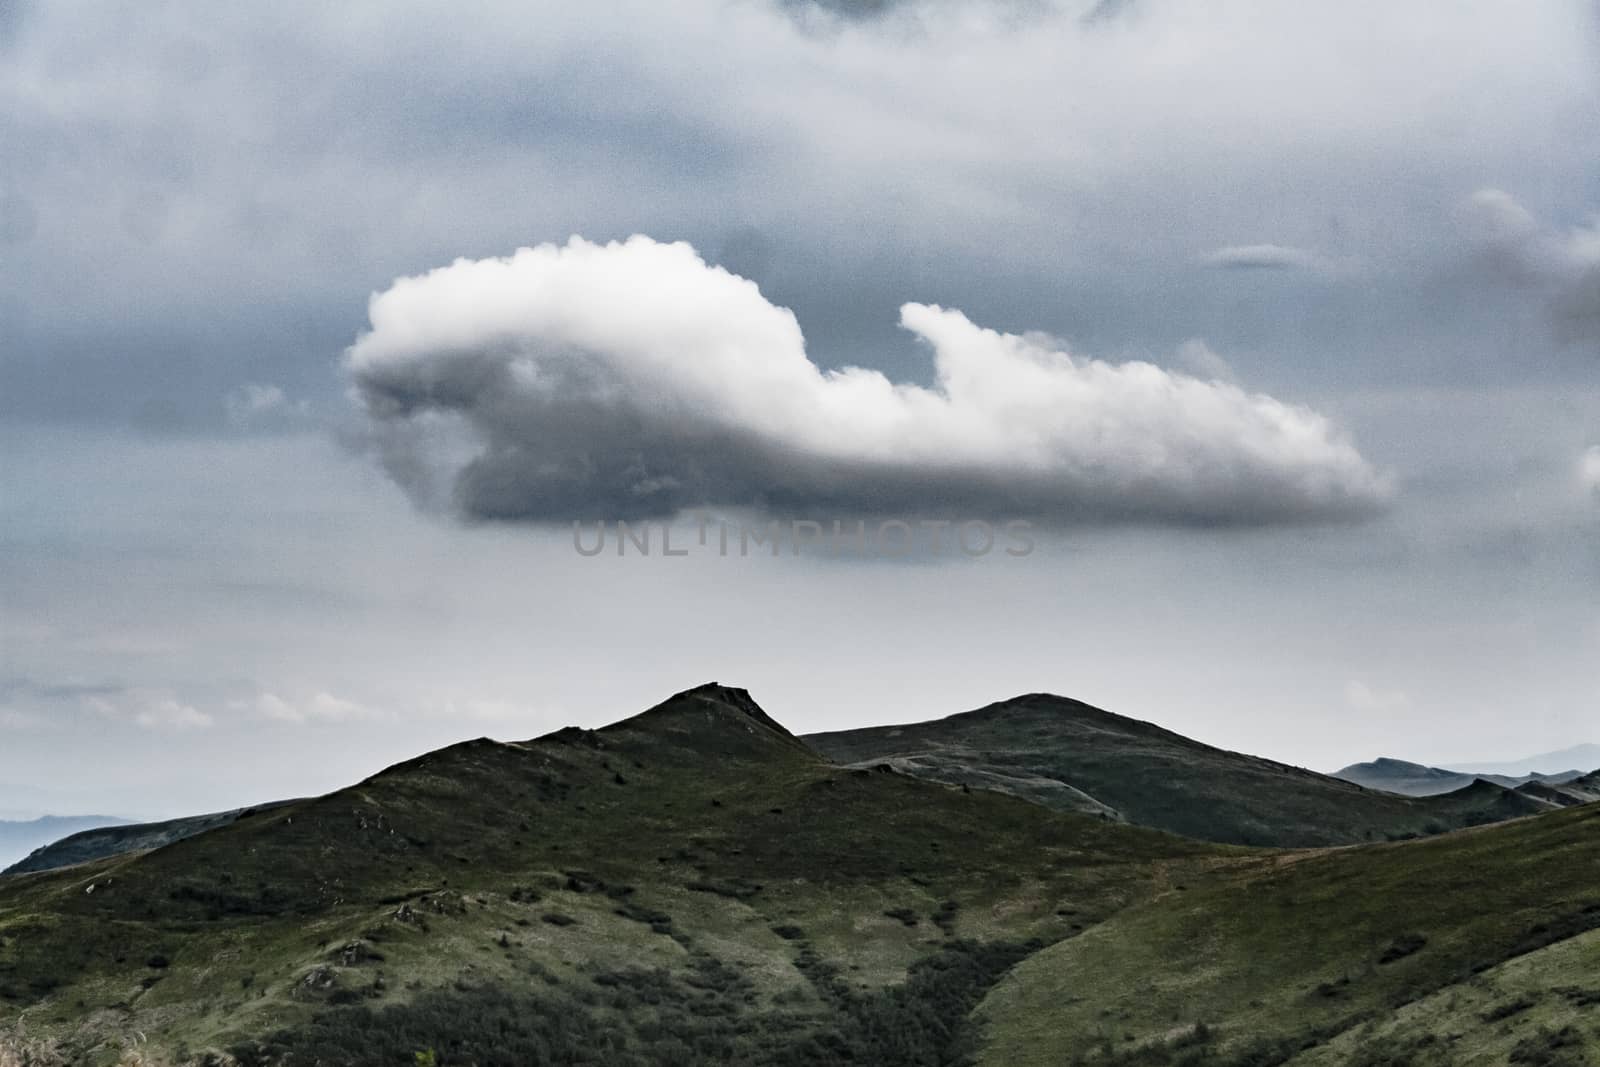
{"x":1585,"y":790}
{"x":111,"y":837}
{"x":1419,"y":780}
{"x":1586,"y":757}
{"x":17,"y":839}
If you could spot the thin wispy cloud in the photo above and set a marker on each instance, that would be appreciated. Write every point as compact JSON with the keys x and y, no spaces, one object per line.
{"x":318,"y":707}
{"x":151,"y":710}
{"x":11,"y":719}
{"x":254,"y":404}
{"x":1263,"y":257}
{"x":1361,"y":697}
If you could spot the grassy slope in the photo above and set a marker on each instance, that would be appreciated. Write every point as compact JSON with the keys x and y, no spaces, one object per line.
{"x":698,"y":830}
{"x":1153,"y":777}
{"x":1292,"y":949}
{"x":1539,"y":1008}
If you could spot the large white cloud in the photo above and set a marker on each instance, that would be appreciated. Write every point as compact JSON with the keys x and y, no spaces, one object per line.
{"x":632,"y":379}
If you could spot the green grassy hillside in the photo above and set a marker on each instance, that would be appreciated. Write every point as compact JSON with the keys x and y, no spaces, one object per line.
{"x":694,"y":879}
{"x":696,"y":885}
{"x":1539,"y":1008}
{"x":1315,"y":954}
{"x":1070,"y":755}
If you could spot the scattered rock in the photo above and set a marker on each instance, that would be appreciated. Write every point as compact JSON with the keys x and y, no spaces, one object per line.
{"x":319,"y":979}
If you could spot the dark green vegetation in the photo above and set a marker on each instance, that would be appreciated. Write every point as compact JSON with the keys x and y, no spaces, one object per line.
{"x":1418,"y":780}
{"x":1041,"y":747}
{"x":696,"y":840}
{"x":1074,"y":757}
{"x":101,"y":840}
{"x":706,"y":1012}
{"x":1460,"y":945}
{"x":696,"y":885}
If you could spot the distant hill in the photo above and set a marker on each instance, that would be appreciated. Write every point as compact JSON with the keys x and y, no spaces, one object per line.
{"x":17,"y":839}
{"x":1585,"y":756}
{"x":1076,"y":757}
{"x":1585,"y":790}
{"x":114,"y":837}
{"x":1418,"y":780}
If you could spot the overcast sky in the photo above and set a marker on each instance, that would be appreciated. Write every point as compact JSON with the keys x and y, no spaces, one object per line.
{"x":318,"y":327}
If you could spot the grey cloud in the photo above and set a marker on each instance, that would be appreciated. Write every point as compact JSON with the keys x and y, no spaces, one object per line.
{"x":17,"y":690}
{"x":199,"y":196}
{"x":850,"y":9}
{"x":1107,"y":11}
{"x":1589,"y":472}
{"x":170,"y":252}
{"x":632,"y":379}
{"x":1562,"y":267}
{"x":29,"y":704}
{"x":817,"y":14}
{"x":1577,"y":307}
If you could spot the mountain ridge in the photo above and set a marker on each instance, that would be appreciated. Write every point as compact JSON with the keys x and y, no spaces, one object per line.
{"x":545,"y":882}
{"x":1420,"y":780}
{"x":1057,"y":751}
{"x":1581,"y":755}
{"x":695,"y":884}
{"x":1149,"y":775}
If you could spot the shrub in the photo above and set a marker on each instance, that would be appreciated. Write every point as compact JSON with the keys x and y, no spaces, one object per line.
{"x":1403,"y":946}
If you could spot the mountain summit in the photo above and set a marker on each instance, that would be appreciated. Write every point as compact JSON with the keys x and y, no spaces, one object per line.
{"x":713,"y":720}
{"x":1074,"y":756}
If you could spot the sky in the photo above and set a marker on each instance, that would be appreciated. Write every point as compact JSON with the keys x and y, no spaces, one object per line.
{"x":1279,"y":325}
